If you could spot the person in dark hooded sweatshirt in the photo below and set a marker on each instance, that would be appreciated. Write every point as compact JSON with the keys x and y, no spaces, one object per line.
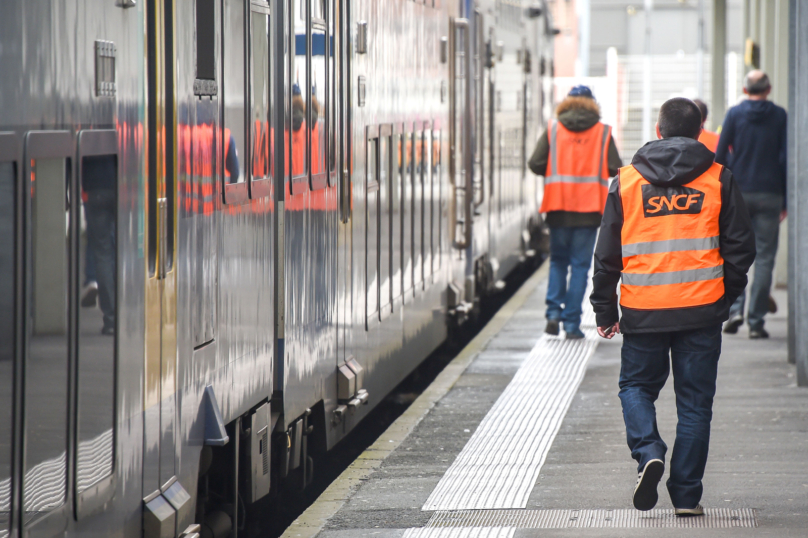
{"x":753,"y":146}
{"x":676,"y":232}
{"x":576,"y":155}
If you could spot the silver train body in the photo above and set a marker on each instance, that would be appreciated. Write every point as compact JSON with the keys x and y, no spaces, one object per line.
{"x":267,"y":289}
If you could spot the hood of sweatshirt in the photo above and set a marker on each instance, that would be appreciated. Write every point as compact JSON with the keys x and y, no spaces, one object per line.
{"x":672,"y":162}
{"x":757,"y":111}
{"x":578,"y":113}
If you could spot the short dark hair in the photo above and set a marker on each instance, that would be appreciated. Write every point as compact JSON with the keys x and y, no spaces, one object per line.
{"x":702,"y":108}
{"x":679,"y":117}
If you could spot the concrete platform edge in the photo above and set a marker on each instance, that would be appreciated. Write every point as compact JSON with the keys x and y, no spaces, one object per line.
{"x":333,"y":498}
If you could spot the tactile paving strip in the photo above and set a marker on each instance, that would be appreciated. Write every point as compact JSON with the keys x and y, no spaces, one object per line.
{"x":502,"y":460}
{"x":713,"y":518}
{"x":466,"y":532}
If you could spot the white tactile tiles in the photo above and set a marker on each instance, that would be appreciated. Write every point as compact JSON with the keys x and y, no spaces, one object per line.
{"x":463,"y":532}
{"x":501,"y":461}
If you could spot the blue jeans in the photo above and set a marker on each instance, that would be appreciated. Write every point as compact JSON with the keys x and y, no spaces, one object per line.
{"x":646,"y":363}
{"x":100,"y":212}
{"x":764,"y":208}
{"x":570,"y":247}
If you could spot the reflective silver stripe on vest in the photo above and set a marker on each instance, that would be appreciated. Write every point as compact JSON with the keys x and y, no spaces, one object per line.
{"x":670,"y":245}
{"x":555,"y":178}
{"x":674,"y":277}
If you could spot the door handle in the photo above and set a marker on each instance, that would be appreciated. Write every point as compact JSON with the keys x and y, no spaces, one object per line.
{"x":162,"y":215}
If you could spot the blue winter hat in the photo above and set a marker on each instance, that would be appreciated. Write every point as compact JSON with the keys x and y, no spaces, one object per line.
{"x":581,"y":91}
{"x":296,"y":89}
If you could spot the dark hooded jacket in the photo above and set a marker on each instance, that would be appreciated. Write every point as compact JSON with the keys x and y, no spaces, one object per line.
{"x":576,"y":114}
{"x":672,"y":162}
{"x":753,"y":146}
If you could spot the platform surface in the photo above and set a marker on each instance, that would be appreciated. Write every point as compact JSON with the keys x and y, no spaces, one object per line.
{"x":522,"y":435}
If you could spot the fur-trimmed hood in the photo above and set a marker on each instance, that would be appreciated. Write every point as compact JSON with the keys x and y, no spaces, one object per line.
{"x":578,"y":113}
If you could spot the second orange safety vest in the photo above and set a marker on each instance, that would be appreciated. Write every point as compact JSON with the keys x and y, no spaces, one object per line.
{"x":709,"y":139}
{"x":577,"y":177}
{"x":670,"y":241}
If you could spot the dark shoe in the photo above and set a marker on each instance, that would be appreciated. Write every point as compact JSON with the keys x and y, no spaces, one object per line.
{"x":732,"y":324}
{"x":645,"y":493}
{"x":108,"y":331}
{"x":575,"y":334}
{"x":757,"y":334}
{"x":89,"y":295}
{"x":689,"y":512}
{"x":552,"y":327}
{"x":772,"y":305}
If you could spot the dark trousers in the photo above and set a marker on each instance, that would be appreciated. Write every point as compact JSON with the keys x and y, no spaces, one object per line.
{"x":646,"y":362}
{"x":764,"y":209}
{"x":100,"y":211}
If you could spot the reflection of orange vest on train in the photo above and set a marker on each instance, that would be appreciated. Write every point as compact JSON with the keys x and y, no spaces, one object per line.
{"x":577,"y":169}
{"x":709,"y":139}
{"x":670,"y":242}
{"x":261,"y":151}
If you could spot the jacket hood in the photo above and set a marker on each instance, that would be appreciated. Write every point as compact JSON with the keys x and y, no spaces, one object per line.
{"x":578,"y":113}
{"x":757,"y":111}
{"x":672,"y":162}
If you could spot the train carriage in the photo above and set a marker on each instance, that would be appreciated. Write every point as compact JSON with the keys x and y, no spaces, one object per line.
{"x":285,"y":206}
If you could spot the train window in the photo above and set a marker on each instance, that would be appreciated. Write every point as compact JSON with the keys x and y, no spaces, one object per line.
{"x":318,"y":10}
{"x":332,"y":107}
{"x":205,"y":39}
{"x":46,"y":371}
{"x":8,"y":213}
{"x":437,"y":177}
{"x":426,"y":178}
{"x":261,"y":98}
{"x":405,"y":173}
{"x":396,"y":232}
{"x":318,"y":100}
{"x":371,"y":231}
{"x":418,"y":208}
{"x":301,"y":93}
{"x":96,"y":321}
{"x":385,"y":221}
{"x":233,"y":142}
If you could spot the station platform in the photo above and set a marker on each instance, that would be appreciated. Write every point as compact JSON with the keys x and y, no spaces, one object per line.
{"x":522,"y":435}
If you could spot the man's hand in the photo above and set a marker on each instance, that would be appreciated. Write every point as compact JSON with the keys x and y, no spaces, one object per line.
{"x":609,"y":332}
{"x":783,"y":215}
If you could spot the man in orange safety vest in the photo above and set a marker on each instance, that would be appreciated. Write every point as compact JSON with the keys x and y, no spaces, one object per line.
{"x":576,"y":156}
{"x":676,"y":232}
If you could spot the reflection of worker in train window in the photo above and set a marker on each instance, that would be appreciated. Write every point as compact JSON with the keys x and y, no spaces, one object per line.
{"x":98,"y":182}
{"x":298,"y":132}
{"x":231,"y":158}
{"x":315,"y":132}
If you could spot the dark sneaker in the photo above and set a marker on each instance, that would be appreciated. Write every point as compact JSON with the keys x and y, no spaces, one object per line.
{"x":645,"y":492}
{"x":732,"y":324}
{"x":552,"y":327}
{"x":575,"y":334}
{"x":89,"y":296}
{"x":689,"y":512}
{"x":757,"y":334}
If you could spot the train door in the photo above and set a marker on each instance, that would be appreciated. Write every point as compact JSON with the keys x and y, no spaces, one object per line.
{"x":160,"y":368}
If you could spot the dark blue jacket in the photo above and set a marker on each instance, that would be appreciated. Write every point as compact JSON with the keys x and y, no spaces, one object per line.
{"x":753,"y":146}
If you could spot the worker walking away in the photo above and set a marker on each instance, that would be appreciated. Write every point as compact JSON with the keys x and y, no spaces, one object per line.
{"x":676,"y":231}
{"x":753,"y":146}
{"x":576,"y":155}
{"x":708,"y":138}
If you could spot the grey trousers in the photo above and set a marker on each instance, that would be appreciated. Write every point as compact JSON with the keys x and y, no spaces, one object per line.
{"x":764,"y":209}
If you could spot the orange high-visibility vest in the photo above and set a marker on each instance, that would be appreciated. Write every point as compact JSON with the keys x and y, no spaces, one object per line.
{"x":577,"y":170}
{"x":670,"y":240}
{"x":709,"y":139}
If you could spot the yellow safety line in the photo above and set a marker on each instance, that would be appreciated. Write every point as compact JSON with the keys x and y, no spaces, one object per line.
{"x":334,"y":497}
